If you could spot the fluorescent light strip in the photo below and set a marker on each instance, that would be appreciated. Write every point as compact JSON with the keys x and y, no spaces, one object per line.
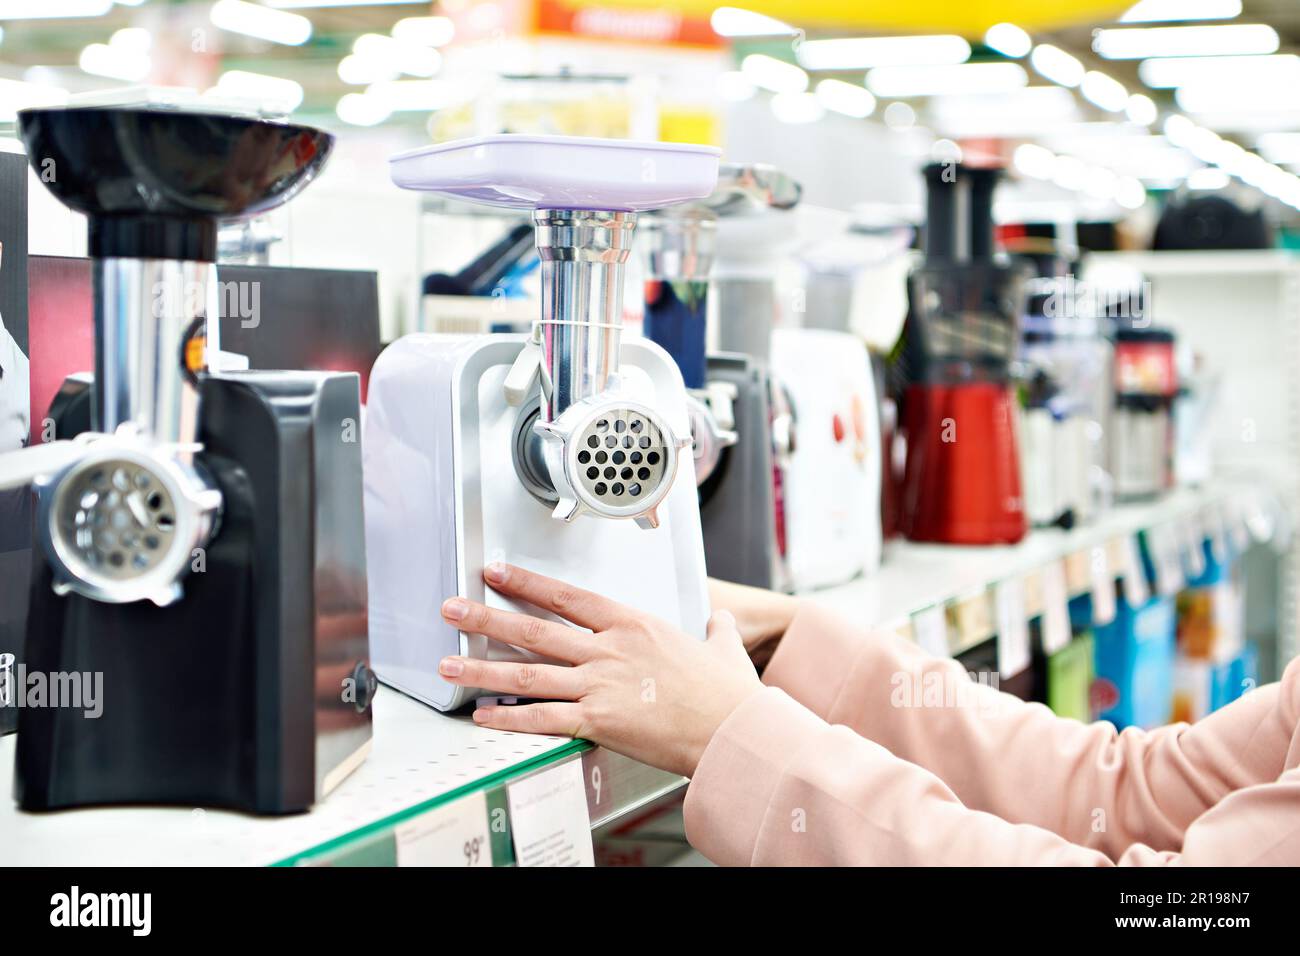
{"x":1234,"y":39}
{"x":304,"y":4}
{"x":255,"y":20}
{"x":52,"y":9}
{"x":1053,"y":63}
{"x":1168,"y":72}
{"x":860,"y":53}
{"x":797,"y":108}
{"x":1103,"y":91}
{"x":427,"y":31}
{"x":847,"y":98}
{"x":905,"y":81}
{"x":274,"y":93}
{"x":776,"y":76}
{"x":1153,"y":11}
{"x":735,"y":22}
{"x":1279,"y":147}
{"x":1009,"y":40}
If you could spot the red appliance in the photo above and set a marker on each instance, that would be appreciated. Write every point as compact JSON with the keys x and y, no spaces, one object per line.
{"x":961,"y":482}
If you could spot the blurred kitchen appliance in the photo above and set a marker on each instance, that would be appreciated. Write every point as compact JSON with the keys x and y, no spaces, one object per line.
{"x":1146,"y":386}
{"x":531,"y":448}
{"x":1067,"y":396}
{"x":962,"y":482}
{"x":730,"y":393}
{"x":201,"y":545}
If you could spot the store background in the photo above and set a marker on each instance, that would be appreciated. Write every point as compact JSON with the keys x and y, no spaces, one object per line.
{"x":1102,"y":173}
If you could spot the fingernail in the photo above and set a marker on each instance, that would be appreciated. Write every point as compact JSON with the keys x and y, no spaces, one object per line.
{"x":497,"y":573}
{"x":453,"y":609}
{"x":451,"y":667}
{"x":483,"y":715}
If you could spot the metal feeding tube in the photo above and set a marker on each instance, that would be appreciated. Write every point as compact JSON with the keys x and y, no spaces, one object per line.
{"x":155,"y":325}
{"x":582,"y":256}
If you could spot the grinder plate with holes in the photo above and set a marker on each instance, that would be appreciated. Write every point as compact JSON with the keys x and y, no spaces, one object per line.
{"x":117,"y":518}
{"x":622,"y":457}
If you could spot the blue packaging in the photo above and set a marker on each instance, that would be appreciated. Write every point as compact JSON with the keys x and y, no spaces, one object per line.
{"x":1134,"y":656}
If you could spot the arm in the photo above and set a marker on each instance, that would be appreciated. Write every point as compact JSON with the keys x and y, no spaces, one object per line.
{"x":1086,"y":782}
{"x":778,"y":785}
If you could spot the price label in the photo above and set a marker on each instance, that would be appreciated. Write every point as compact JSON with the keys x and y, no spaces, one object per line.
{"x":1056,"y":608}
{"x":1235,"y":519}
{"x":549,"y":820}
{"x":451,"y":835}
{"x":1167,"y":558}
{"x":1103,"y":585}
{"x":930,"y":631}
{"x":1216,"y":530}
{"x":1193,"y":546}
{"x":1136,"y":592}
{"x":1013,"y":627}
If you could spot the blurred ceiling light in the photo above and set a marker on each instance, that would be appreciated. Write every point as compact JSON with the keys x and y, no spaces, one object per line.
{"x":1130,"y":193}
{"x":847,"y":98}
{"x":114,"y":62}
{"x":903,"y":81}
{"x":1152,"y":11}
{"x":1279,"y":147}
{"x":1242,"y":97}
{"x":254,"y":20}
{"x":1207,"y":178}
{"x":1053,"y":63}
{"x":1022,"y":113}
{"x":358,"y":109}
{"x":1103,"y":91}
{"x":735,"y":87}
{"x":860,"y":53}
{"x":1034,"y":161}
{"x":797,"y":108}
{"x":1008,"y":39}
{"x":359,"y":71}
{"x":300,"y":4}
{"x":428,"y":31}
{"x":1165,"y":72}
{"x":18,"y":95}
{"x":411,"y":58}
{"x":1069,"y":172}
{"x":1141,"y":109}
{"x":1223,"y":40}
{"x":737,"y":22}
{"x":777,"y":76}
{"x":899,"y":116}
{"x":52,"y":9}
{"x":136,"y":39}
{"x":412,"y":95}
{"x":272,"y":92}
{"x":1099,"y":182}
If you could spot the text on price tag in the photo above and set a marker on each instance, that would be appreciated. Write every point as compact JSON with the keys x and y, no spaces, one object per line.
{"x":451,"y":835}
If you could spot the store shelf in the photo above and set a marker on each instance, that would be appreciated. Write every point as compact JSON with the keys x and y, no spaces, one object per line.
{"x":422,"y":760}
{"x":916,"y":577}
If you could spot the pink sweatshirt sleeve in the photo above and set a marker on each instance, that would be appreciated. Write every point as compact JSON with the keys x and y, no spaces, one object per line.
{"x":990,"y":780}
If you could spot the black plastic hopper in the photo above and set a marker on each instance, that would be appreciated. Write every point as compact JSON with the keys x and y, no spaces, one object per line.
{"x":155,"y":183}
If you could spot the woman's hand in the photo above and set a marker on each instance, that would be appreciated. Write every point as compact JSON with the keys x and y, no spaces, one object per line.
{"x":637,"y":685}
{"x":762,"y":616}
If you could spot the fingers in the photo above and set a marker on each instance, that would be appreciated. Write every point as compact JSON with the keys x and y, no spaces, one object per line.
{"x":513,"y":679}
{"x":573,"y":604}
{"x":563,"y":720}
{"x":544,"y":637}
{"x":722,"y":625}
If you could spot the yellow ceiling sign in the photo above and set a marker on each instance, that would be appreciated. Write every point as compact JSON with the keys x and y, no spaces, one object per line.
{"x":969,"y":17}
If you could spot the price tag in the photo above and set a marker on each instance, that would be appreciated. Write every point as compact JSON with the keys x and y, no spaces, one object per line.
{"x":451,"y":835}
{"x":1013,"y":627}
{"x":1077,"y":574}
{"x":1136,"y":592}
{"x":549,"y":820}
{"x":930,"y":631}
{"x":1056,"y":608}
{"x":1167,"y":558}
{"x":1235,"y":519}
{"x":1193,"y":546}
{"x":1103,"y":585}
{"x":1217,"y":531}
